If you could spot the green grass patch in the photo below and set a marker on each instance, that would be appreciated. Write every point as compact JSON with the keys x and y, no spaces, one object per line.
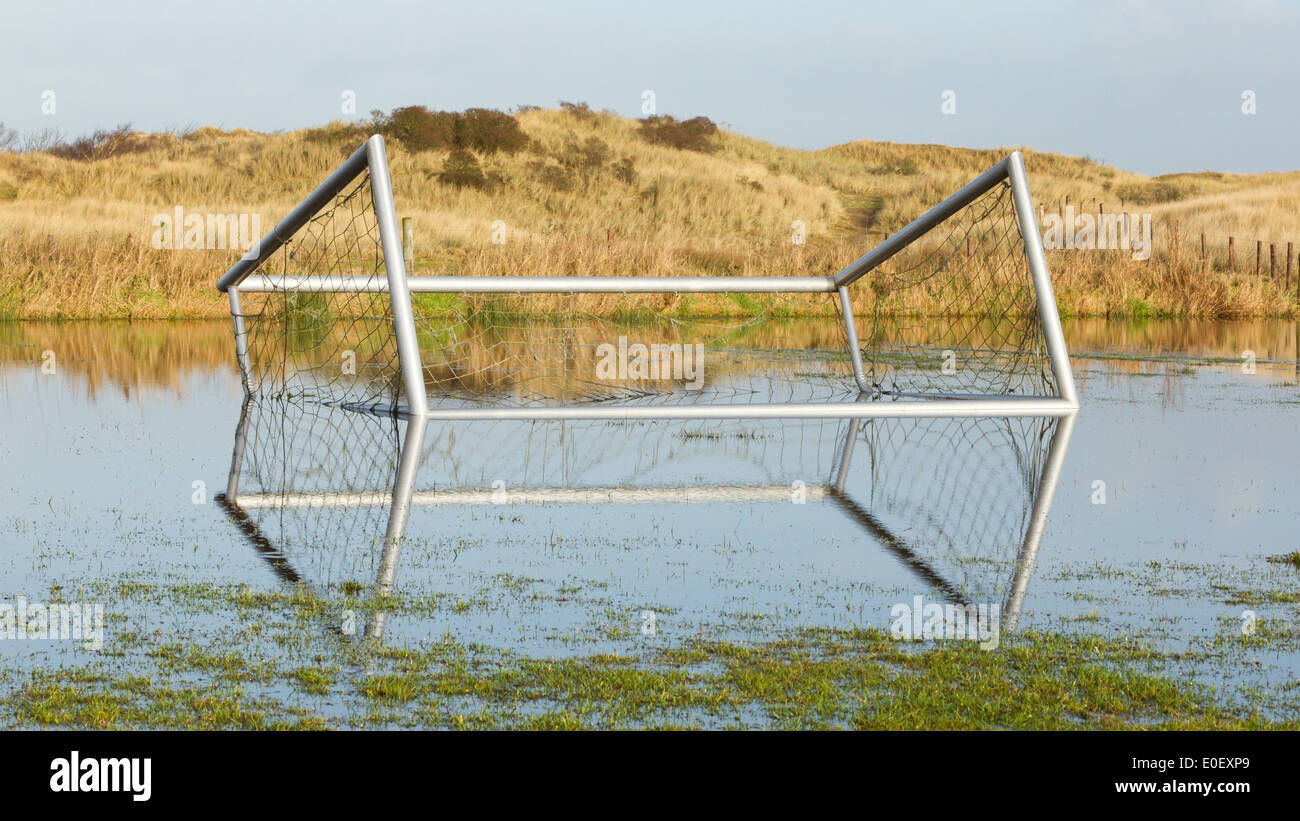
{"x":1292,"y":559}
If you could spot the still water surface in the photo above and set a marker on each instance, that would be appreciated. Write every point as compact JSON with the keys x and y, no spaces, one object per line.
{"x":134,"y":458}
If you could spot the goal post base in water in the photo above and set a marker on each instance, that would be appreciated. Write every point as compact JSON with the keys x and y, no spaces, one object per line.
{"x":337,"y":319}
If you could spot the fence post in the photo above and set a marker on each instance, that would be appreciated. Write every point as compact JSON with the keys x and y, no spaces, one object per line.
{"x":408,"y":244}
{"x":1259,"y":257}
{"x":1272,"y":260}
{"x":1232,"y":256}
{"x":1288,"y":265}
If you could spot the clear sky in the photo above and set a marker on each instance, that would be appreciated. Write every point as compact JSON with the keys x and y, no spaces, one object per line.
{"x":1148,"y":85}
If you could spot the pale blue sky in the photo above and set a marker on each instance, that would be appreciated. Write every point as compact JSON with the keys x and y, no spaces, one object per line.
{"x":1147,"y":85}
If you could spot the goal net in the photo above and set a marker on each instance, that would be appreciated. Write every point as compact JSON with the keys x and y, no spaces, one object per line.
{"x":954,"y":315}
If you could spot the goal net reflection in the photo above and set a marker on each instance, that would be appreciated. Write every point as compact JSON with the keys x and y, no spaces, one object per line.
{"x":325,"y":494}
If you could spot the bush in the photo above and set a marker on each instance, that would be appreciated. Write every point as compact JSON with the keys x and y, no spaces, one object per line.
{"x":585,"y":157}
{"x":419,"y":129}
{"x":487,"y":131}
{"x":579,"y":111}
{"x":101,"y":145}
{"x":1149,"y":193}
{"x":476,"y":129}
{"x":462,"y":170}
{"x":691,"y":135}
{"x":8,"y":139}
{"x":625,"y":171}
{"x":340,"y":132}
{"x":556,"y":177}
{"x":34,"y":142}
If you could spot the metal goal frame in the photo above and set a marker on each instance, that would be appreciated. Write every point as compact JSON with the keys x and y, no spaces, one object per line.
{"x":372,"y":157}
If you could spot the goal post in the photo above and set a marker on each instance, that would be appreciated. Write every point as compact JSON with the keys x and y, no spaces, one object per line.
{"x":323,"y":309}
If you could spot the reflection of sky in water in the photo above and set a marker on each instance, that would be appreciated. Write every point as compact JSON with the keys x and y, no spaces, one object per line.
{"x":1199,"y":467}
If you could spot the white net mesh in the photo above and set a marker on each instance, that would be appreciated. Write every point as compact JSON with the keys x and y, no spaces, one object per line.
{"x":956,"y":313}
{"x":325,"y":346}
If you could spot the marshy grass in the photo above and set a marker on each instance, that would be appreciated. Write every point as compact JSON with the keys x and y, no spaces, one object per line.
{"x":1292,"y":559}
{"x":807,"y":678}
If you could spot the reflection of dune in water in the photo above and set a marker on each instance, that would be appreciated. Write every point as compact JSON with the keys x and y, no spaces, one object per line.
{"x":134,"y":357}
{"x":129,"y":358}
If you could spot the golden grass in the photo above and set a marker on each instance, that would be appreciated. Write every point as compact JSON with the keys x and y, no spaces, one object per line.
{"x":75,"y":236}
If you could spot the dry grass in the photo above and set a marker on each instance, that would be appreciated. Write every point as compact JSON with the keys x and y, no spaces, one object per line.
{"x":590,"y":196}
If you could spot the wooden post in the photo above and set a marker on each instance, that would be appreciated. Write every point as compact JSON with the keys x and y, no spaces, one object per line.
{"x":1232,"y":255}
{"x":1259,"y":257}
{"x":1288,"y":266}
{"x":408,"y":244}
{"x":1272,"y":260}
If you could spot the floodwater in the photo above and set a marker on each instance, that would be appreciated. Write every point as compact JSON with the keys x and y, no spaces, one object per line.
{"x":131,"y":458}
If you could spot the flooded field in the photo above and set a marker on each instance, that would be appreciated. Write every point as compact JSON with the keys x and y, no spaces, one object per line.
{"x":247,"y":565}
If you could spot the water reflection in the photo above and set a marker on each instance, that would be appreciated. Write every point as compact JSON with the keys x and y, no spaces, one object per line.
{"x":133,"y":358}
{"x":325,"y":495}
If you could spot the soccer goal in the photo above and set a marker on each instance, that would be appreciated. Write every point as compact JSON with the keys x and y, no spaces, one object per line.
{"x":952,"y":316}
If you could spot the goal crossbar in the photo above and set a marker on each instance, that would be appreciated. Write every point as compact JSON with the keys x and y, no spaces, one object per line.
{"x":247,"y":276}
{"x":548,"y":284}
